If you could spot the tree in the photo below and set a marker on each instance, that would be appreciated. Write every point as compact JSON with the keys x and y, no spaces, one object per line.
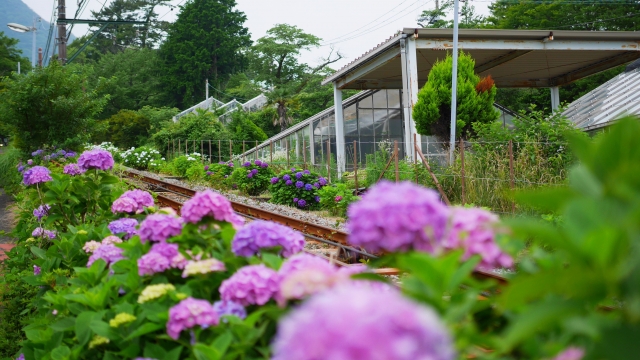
{"x":48,"y":106}
{"x":126,"y":129}
{"x":10,"y":56}
{"x":274,"y":60}
{"x":435,"y":18}
{"x":205,"y":42}
{"x":134,"y":80}
{"x":475,"y":96}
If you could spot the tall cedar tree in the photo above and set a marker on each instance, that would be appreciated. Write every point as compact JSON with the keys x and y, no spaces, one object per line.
{"x":475,"y":97}
{"x":205,"y":42}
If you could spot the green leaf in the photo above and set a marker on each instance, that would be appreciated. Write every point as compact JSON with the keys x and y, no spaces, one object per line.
{"x":38,"y":252}
{"x":60,"y":353}
{"x":144,"y":329}
{"x":271,"y":260}
{"x":204,"y":352}
{"x":222,"y":342}
{"x":65,"y":324}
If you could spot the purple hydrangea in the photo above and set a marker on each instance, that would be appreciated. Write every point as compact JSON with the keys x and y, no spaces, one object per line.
{"x":141,"y":197}
{"x":338,"y":198}
{"x":302,"y":203}
{"x":308,"y":187}
{"x":20,"y":357}
{"x":70,"y":154}
{"x":53,"y":156}
{"x":251,"y":285}
{"x":570,"y":353}
{"x":109,"y":253}
{"x":250,"y":175}
{"x":295,"y":200}
{"x":397,"y":217}
{"x":209,"y":204}
{"x":189,"y":313}
{"x":62,"y":152}
{"x":36,"y":270}
{"x":288,"y":183}
{"x":246,"y":164}
{"x":96,"y":159}
{"x":21,"y":168}
{"x":298,"y":175}
{"x":124,"y":225}
{"x":209,"y":173}
{"x":304,"y":261}
{"x":161,"y":256}
{"x":40,"y":232}
{"x":254,"y":171}
{"x":206,"y":167}
{"x":299,"y":184}
{"x":37,"y":152}
{"x":258,"y":162}
{"x":275,"y":180}
{"x":159,"y":227}
{"x":73,"y":169}
{"x":322,"y":181}
{"x":472,"y":229}
{"x":293,"y":170}
{"x":124,"y":205}
{"x":306,"y":172}
{"x":317,"y":198}
{"x":132,"y":201}
{"x":41,"y":211}
{"x":260,"y":234}
{"x":347,"y":323}
{"x":29,"y":162}
{"x":46,"y":158}
{"x":229,"y":308}
{"x":36,"y":175}
{"x":264,"y":165}
{"x":286,"y":177}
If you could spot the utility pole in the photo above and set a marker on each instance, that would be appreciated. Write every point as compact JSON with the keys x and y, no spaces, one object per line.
{"x":454,"y":82}
{"x":62,"y":32}
{"x":40,"y":57}
{"x":206,"y":90}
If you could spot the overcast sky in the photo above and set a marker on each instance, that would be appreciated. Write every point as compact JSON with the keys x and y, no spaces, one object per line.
{"x":351,"y":26}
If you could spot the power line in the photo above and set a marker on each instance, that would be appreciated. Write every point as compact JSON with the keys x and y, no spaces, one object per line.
{"x":50,"y":35}
{"x":598,"y":21}
{"x":172,"y":7}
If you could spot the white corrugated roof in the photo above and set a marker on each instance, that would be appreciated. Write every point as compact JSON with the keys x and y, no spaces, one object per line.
{"x":617,"y":97}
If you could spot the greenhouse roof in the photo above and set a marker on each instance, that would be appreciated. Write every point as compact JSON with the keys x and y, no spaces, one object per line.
{"x":514,"y":58}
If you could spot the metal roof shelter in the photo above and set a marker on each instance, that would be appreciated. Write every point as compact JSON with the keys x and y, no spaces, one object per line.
{"x":514,"y":58}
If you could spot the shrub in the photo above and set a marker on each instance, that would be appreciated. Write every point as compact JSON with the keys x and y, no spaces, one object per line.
{"x":184,"y":162}
{"x":107,"y":146}
{"x":142,"y":158}
{"x":285,"y":188}
{"x":195,"y":172}
{"x":201,"y":125}
{"x":336,"y":198}
{"x":126,"y":129}
{"x":252,"y":179}
{"x":10,"y":178}
{"x":377,"y":162}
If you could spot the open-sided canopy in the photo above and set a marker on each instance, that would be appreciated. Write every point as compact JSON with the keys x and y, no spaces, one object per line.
{"x":514,"y":58}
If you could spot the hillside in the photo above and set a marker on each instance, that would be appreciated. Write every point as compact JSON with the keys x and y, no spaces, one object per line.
{"x":15,"y":11}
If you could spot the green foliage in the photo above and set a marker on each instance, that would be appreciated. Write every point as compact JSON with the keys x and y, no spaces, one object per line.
{"x":195,"y":172}
{"x":126,"y":129}
{"x":281,"y":193}
{"x":10,"y":178}
{"x":48,"y":107}
{"x":204,"y":42}
{"x":218,"y":175}
{"x":252,"y":179}
{"x":242,"y":129}
{"x":378,"y":161}
{"x":241,"y":87}
{"x":181,"y":164}
{"x":202,"y":125}
{"x":159,"y":117}
{"x":436,"y":18}
{"x":432,"y":111}
{"x":336,"y":198}
{"x":142,"y":158}
{"x":264,"y":120}
{"x":10,"y":55}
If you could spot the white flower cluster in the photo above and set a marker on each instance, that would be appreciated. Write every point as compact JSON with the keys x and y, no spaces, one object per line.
{"x":142,"y":157}
{"x":195,"y":157}
{"x":104,"y":146}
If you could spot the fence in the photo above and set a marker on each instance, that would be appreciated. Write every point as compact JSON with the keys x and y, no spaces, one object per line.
{"x":483,"y":173}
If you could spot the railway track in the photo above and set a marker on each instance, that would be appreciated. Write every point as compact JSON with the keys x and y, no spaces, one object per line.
{"x":168,"y":195}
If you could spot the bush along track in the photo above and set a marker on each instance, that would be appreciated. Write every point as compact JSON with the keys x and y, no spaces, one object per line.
{"x":117,"y":278}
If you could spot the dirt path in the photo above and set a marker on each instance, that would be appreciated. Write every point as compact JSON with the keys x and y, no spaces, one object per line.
{"x":6,"y":221}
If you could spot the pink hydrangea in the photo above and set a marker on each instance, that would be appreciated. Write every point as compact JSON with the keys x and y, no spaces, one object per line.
{"x":124,"y":205}
{"x":251,"y":285}
{"x":159,"y":227}
{"x":210,"y":204}
{"x":304,"y":261}
{"x":73,"y":169}
{"x":96,"y":159}
{"x":124,"y":226}
{"x":36,"y":175}
{"x":359,"y":323}
{"x":111,"y":239}
{"x":109,"y":253}
{"x":266,"y":234}
{"x":570,"y":353}
{"x":188,"y":313}
{"x":161,"y":257}
{"x":397,"y":217}
{"x":132,"y":201}
{"x":473,"y":230}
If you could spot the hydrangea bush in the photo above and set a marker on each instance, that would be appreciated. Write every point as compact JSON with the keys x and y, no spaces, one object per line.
{"x":181,"y":164}
{"x":298,"y":188}
{"x":252,"y":178}
{"x":336,"y":198}
{"x":142,"y":158}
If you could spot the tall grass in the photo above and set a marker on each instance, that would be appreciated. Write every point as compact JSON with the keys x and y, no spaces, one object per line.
{"x":9,"y":176}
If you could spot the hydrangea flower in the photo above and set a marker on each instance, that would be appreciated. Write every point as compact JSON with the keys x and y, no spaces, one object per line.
{"x":288,"y":183}
{"x":73,"y":169}
{"x":260,"y":234}
{"x":159,"y":227}
{"x":91,"y":246}
{"x":258,"y":162}
{"x":295,"y":200}
{"x":322,"y":181}
{"x":302,"y":203}
{"x":189,"y":313}
{"x":202,"y":267}
{"x":338,"y":198}
{"x":264,"y":165}
{"x":20,"y":357}
{"x":29,"y":162}
{"x":124,"y":225}
{"x":21,"y":168}
{"x":473,"y":230}
{"x":397,"y":217}
{"x":250,"y":285}
{"x":36,"y":175}
{"x":250,"y":175}
{"x":41,"y":211}
{"x":298,"y":175}
{"x":121,"y":319}
{"x":303,"y":261}
{"x":359,"y":323}
{"x":124,"y":205}
{"x":132,"y":201}
{"x":308,"y":187}
{"x":109,"y":253}
{"x":275,"y":180}
{"x":317,"y":198}
{"x":306,"y":172}
{"x":229,"y":308}
{"x":152,"y":263}
{"x":36,"y":270}
{"x":293,"y":170}
{"x":206,"y":167}
{"x":38,"y":232}
{"x":37,"y":152}
{"x":110,"y":240}
{"x":299,"y":184}
{"x":209,"y":204}
{"x":570,"y":353}
{"x":246,"y":164}
{"x":69,"y":154}
{"x":96,"y":159}
{"x":286,"y":177}
{"x":152,"y":292}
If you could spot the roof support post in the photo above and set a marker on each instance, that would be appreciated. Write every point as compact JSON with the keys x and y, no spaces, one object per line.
{"x":555,"y":98}
{"x":312,"y":144}
{"x":409,"y":92}
{"x":339,"y":120}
